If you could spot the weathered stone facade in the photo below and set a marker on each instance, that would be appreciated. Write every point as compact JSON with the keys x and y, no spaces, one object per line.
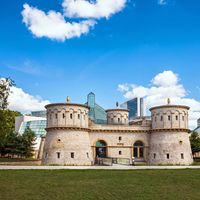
{"x":73,"y":139}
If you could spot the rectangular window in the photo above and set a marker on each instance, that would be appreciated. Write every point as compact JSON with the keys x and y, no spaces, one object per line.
{"x":72,"y":154}
{"x":46,"y":155}
{"x":120,"y":138}
{"x":182,"y":156}
{"x":71,"y":116}
{"x":167,"y":155}
{"x":154,"y":155}
{"x":161,"y":118}
{"x":176,"y":117}
{"x":120,"y":152}
{"x":78,"y":116}
{"x":63,"y":115}
{"x":169,"y":117}
{"x":56,"y":116}
{"x":58,"y":155}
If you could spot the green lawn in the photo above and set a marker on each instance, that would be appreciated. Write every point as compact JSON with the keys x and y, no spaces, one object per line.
{"x":99,"y":184}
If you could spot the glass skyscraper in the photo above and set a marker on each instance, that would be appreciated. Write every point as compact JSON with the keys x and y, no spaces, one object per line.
{"x":135,"y":107}
{"x":96,"y":112}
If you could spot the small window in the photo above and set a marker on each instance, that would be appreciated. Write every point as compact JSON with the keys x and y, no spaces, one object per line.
{"x":63,"y":115}
{"x":87,"y":155}
{"x":56,"y":116}
{"x":120,"y":152}
{"x":176,"y":117}
{"x":182,"y":156}
{"x":72,"y":154}
{"x":120,"y":138}
{"x":71,"y":116}
{"x":59,"y":140}
{"x":169,"y":117}
{"x":161,"y":118}
{"x":167,"y":155}
{"x":58,"y":155}
{"x":154,"y":155}
{"x":118,"y":119}
{"x":183,"y":118}
{"x":78,"y":116}
{"x":46,"y":155}
{"x":180,"y":142}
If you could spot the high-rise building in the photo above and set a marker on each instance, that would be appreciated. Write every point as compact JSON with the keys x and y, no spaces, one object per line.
{"x":36,"y":122}
{"x":96,"y":112}
{"x":135,"y":107}
{"x":198,"y":122}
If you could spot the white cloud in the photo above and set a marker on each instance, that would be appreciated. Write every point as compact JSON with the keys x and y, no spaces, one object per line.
{"x":24,"y":102}
{"x":123,"y":87}
{"x":162,"y":2}
{"x":164,"y":85}
{"x":92,"y":9}
{"x":53,"y":24}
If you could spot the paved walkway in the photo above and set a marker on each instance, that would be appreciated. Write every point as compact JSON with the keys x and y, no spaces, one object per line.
{"x":115,"y":167}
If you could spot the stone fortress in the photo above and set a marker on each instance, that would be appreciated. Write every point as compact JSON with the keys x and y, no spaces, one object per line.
{"x":74,"y":139}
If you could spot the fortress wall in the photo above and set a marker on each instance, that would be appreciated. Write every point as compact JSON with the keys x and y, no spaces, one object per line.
{"x":117,"y":116}
{"x":172,"y":143}
{"x":170,"y":117}
{"x":125,"y":145}
{"x":65,"y":115}
{"x":65,"y":143}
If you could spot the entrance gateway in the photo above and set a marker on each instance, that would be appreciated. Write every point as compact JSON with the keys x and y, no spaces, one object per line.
{"x":101,"y":149}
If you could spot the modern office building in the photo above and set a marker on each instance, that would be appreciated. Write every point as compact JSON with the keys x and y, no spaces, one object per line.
{"x":96,"y":113}
{"x":197,"y":129}
{"x":36,"y":122}
{"x":135,"y":107}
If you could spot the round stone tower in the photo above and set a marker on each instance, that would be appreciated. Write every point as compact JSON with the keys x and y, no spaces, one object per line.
{"x":67,"y":139}
{"x":117,"y":116}
{"x":169,"y":139}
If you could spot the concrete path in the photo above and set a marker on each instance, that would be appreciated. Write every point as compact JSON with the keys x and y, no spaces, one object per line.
{"x":116,"y":167}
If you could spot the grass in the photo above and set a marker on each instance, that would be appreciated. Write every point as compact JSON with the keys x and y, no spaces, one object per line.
{"x":99,"y":184}
{"x":17,"y":159}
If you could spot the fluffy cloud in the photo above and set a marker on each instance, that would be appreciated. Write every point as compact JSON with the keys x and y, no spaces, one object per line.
{"x":24,"y":102}
{"x":164,"y":85}
{"x":91,"y":9}
{"x":53,"y":24}
{"x":162,"y":2}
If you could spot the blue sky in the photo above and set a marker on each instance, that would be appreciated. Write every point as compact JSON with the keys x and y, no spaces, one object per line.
{"x":131,"y":46}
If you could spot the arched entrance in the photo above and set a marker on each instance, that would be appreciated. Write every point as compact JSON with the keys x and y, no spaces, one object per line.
{"x":101,"y":149}
{"x":138,"y":150}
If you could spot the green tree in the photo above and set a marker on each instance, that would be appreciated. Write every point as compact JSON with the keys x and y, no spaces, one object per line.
{"x":5,"y":85}
{"x":28,"y":142}
{"x":195,"y":142}
{"x":7,"y":126}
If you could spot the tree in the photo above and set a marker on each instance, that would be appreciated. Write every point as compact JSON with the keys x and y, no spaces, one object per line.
{"x":28,"y":142}
{"x":7,"y":127}
{"x":5,"y":85}
{"x":195,"y":142}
